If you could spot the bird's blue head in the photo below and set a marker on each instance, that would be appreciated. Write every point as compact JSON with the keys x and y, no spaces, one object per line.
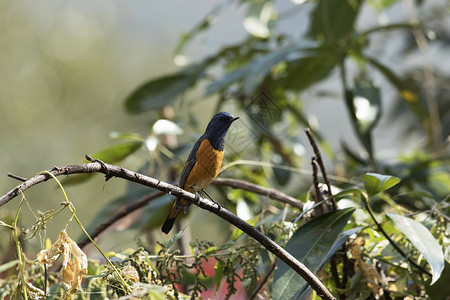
{"x":217,"y":129}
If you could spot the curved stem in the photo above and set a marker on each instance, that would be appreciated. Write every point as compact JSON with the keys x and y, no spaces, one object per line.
{"x":115,"y":171}
{"x":23,"y":283}
{"x":391,"y":241}
{"x":72,"y":210}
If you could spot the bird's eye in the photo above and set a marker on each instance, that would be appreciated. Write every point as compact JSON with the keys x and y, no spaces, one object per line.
{"x":220,"y":119}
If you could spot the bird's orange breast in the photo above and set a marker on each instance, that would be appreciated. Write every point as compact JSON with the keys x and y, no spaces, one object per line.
{"x":206,"y":169}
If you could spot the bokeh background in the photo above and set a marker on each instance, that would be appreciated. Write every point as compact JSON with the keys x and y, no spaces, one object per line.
{"x":66,"y":68}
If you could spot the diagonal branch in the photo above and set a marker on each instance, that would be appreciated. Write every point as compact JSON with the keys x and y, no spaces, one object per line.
{"x":119,"y":215}
{"x":234,"y":183}
{"x":257,"y":189}
{"x":115,"y":171}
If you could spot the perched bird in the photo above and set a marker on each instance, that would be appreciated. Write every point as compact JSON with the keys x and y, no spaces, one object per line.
{"x":203,"y":163}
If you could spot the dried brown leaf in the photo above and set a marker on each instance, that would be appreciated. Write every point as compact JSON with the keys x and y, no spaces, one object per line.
{"x":74,"y":264}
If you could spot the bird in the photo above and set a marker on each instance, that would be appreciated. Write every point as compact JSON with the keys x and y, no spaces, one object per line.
{"x":203,"y":163}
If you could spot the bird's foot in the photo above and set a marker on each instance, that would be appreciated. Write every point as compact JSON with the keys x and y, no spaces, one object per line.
{"x":219,"y":206}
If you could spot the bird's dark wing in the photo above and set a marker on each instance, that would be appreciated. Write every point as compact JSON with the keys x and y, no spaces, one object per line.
{"x":190,"y":163}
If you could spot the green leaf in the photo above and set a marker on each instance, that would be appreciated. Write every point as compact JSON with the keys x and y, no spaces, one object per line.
{"x":176,"y":237}
{"x":344,"y":193}
{"x":6,"y":225}
{"x":218,"y":273}
{"x":423,"y":240}
{"x":118,"y":152}
{"x":225,"y":81}
{"x":304,"y":71}
{"x":153,"y":214}
{"x":211,"y":250}
{"x":162,"y":91}
{"x":282,"y":176}
{"x":8,"y":265}
{"x":259,"y":69}
{"x":392,"y":26}
{"x":204,"y":24}
{"x":440,"y":289}
{"x":375,"y":183}
{"x":343,"y":237}
{"x":110,"y":155}
{"x":367,"y":104}
{"x":311,"y":245}
{"x":237,"y":233}
{"x":353,"y":157}
{"x":158,"y":93}
{"x":333,"y":19}
{"x":130,"y":136}
{"x":364,"y":104}
{"x":258,"y":17}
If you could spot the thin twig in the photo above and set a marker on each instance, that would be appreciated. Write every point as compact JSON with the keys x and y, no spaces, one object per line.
{"x":321,"y":165}
{"x":315,"y":180}
{"x":318,"y":158}
{"x":20,"y":178}
{"x":115,"y":171}
{"x":319,"y":197}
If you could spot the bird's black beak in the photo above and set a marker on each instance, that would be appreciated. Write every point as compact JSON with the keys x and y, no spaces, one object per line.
{"x":234,"y":119}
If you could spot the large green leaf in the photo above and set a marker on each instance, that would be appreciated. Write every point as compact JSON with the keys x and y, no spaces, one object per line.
{"x":237,"y":233}
{"x":390,"y":75}
{"x":407,"y":89}
{"x":162,"y":91}
{"x":253,"y":74}
{"x":158,"y":93}
{"x":333,"y":19}
{"x":110,"y":155}
{"x":118,"y":152}
{"x":258,"y":17}
{"x":375,"y":183}
{"x":260,"y":68}
{"x":423,"y":240}
{"x":304,"y":71}
{"x":343,"y":237}
{"x":225,"y":81}
{"x":311,"y":245}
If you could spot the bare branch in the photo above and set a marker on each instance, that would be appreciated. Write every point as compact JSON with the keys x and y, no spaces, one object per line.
{"x":17,"y":177}
{"x":251,"y":187}
{"x":318,"y":156}
{"x":234,"y":183}
{"x":114,"y":171}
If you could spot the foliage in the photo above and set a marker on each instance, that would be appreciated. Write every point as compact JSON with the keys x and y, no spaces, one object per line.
{"x":369,"y":247}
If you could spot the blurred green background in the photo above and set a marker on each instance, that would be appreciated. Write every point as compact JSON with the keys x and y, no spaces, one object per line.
{"x":67,"y":67}
{"x":370,"y":78}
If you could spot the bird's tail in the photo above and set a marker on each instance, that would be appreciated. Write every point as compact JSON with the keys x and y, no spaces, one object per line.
{"x":168,"y":224}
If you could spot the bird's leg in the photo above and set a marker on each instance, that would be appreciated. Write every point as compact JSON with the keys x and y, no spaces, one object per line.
{"x":219,"y":206}
{"x":197,"y":196}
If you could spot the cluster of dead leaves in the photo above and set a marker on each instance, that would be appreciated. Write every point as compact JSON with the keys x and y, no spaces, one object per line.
{"x":74,"y":264}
